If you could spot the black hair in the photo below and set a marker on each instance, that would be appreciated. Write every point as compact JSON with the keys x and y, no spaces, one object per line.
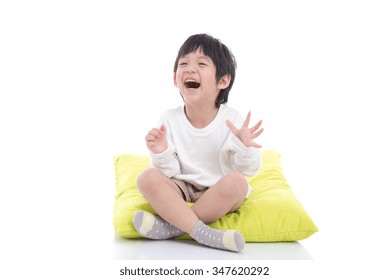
{"x":220,"y":55}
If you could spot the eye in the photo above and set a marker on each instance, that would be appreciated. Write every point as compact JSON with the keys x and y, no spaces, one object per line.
{"x":183,"y":64}
{"x":202,"y":64}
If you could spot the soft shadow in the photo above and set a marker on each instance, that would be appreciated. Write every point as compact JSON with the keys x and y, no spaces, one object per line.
{"x":142,"y":249}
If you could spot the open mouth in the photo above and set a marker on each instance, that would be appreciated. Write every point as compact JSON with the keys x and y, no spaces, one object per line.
{"x":192,"y":84}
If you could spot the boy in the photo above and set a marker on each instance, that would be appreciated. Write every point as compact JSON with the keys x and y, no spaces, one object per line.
{"x":201,"y":152}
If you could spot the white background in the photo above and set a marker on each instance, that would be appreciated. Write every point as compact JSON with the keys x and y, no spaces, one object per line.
{"x":83,"y":81}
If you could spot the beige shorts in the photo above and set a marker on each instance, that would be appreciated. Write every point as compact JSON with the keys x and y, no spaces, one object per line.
{"x":192,"y":192}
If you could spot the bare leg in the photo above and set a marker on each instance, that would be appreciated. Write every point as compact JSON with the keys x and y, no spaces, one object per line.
{"x":224,"y":197}
{"x":166,"y":199}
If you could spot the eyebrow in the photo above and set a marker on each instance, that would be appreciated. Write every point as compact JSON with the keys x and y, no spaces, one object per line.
{"x":200,"y":57}
{"x":205,"y":57}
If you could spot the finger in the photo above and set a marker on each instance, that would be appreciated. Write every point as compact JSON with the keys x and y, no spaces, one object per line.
{"x":247,"y":120}
{"x":232,"y":127}
{"x":255,"y":145}
{"x":256,"y":127}
{"x":256,"y":134}
{"x":163,"y":129}
{"x":155,"y":132}
{"x":150,"y":138}
{"x":150,"y":144}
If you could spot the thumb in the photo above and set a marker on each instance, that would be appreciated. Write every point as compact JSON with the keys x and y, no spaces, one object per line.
{"x":163,"y":128}
{"x":231,"y":126}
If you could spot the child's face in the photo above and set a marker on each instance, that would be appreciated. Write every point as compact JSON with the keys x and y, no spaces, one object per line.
{"x":196,"y":79}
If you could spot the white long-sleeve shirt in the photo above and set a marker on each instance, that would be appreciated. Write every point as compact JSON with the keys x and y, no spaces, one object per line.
{"x":203,"y":156}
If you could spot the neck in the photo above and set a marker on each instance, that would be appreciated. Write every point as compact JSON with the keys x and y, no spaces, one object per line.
{"x":201,"y":117}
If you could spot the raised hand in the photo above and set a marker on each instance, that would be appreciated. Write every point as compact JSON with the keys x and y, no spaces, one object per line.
{"x":246,"y":134}
{"x":156,"y":140}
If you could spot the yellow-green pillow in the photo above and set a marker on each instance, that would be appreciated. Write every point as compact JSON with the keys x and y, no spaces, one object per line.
{"x":271,"y":213}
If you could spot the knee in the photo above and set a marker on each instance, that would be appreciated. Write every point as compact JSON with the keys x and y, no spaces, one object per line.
{"x":237,"y":184}
{"x":148,"y":180}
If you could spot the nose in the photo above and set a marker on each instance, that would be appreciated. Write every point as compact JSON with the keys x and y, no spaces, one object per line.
{"x":190,"y":70}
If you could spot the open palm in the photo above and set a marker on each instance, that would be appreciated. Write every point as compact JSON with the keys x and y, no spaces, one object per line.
{"x":245,"y":134}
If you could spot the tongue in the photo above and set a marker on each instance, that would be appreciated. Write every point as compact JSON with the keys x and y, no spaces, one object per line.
{"x":192,"y":85}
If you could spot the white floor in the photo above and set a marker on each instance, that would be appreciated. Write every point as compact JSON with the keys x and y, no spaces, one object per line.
{"x":322,"y":246}
{"x":126,"y":249}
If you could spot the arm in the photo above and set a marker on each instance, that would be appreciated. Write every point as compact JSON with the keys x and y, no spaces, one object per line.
{"x":246,"y":156}
{"x":163,"y":156}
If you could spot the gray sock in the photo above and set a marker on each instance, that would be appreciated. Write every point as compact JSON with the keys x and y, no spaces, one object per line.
{"x":154,"y":227}
{"x":227,"y":240}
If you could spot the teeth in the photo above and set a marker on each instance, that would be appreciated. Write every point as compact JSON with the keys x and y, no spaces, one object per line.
{"x":190,"y":83}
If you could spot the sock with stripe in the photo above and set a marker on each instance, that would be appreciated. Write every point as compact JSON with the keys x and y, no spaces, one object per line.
{"x":227,"y":240}
{"x":154,"y":227}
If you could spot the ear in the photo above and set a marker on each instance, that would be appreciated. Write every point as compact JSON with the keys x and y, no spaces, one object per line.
{"x":224,"y":82}
{"x":175,"y":79}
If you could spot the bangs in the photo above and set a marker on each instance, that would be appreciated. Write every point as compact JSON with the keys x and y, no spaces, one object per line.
{"x":220,"y":55}
{"x":201,"y":42}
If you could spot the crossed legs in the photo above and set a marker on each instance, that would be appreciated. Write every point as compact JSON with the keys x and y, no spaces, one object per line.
{"x":176,"y":217}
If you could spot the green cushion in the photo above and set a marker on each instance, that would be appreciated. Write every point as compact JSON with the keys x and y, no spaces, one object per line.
{"x":271,"y":213}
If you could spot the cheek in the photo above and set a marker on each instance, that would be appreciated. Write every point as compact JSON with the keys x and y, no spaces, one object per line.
{"x":176,"y":78}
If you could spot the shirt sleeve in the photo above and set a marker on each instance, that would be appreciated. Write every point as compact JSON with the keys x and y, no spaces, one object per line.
{"x":246,"y":160}
{"x":167,"y":161}
{"x":237,"y":156}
